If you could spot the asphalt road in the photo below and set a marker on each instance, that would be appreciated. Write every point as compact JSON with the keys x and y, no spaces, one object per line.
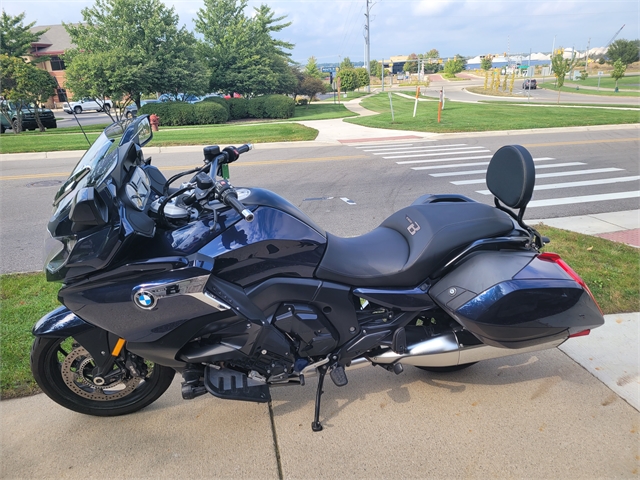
{"x":66,"y":120}
{"x":376,"y":180}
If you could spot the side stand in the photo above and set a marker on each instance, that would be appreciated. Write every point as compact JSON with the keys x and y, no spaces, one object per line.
{"x":315,"y":425}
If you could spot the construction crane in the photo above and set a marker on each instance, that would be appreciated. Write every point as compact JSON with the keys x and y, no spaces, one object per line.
{"x":614,"y":37}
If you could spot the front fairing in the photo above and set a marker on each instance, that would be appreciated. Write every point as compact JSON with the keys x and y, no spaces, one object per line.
{"x":71,"y":252}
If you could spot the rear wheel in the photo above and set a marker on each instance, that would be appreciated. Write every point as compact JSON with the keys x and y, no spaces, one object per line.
{"x":452,"y":368}
{"x":78,"y":110}
{"x":106,"y":109}
{"x":63,"y":370}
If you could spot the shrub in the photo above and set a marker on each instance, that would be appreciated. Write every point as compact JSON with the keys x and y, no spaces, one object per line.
{"x":219,"y":101}
{"x":180,"y":113}
{"x":238,"y":108}
{"x":278,"y":106}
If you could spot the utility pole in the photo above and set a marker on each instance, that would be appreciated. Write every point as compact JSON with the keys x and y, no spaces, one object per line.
{"x":367,"y":53}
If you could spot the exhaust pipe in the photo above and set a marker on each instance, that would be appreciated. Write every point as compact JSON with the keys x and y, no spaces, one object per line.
{"x":446,"y":351}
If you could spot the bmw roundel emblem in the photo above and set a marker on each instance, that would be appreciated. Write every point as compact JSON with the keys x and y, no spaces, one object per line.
{"x":144,"y":300}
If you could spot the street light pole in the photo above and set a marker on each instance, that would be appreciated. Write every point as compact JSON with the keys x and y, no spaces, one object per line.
{"x":367,"y":46}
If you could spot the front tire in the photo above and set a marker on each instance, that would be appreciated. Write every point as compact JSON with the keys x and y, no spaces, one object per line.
{"x":78,"y":110}
{"x":62,"y":369}
{"x":106,"y":109}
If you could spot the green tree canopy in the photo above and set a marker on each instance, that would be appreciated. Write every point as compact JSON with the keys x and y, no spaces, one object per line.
{"x":16,"y":38}
{"x":619,"y":68}
{"x":312,"y":69}
{"x":376,"y":68}
{"x":455,"y":65}
{"x":363,"y":77}
{"x":346,"y":63}
{"x":23,"y":84}
{"x":432,"y":54}
{"x":486,"y":63}
{"x":126,"y":48}
{"x":627,"y":51}
{"x":241,"y":52}
{"x":411,"y":65}
{"x":561,"y":66}
{"x":348,"y":79}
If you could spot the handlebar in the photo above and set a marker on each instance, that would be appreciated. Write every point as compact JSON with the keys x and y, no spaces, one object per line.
{"x":237,"y":205}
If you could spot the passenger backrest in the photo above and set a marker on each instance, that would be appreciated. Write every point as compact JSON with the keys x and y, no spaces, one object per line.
{"x":511,"y":176}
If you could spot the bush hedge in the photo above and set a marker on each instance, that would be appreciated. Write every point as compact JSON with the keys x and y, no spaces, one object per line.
{"x":181,"y":113}
{"x":266,"y":106}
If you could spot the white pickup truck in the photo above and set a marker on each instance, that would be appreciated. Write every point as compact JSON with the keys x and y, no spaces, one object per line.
{"x":88,"y":104}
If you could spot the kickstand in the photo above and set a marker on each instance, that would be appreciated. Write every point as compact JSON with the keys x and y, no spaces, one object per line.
{"x":315,"y":425}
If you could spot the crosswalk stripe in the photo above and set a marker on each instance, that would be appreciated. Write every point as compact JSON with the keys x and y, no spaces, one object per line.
{"x":435,"y":154}
{"x":585,"y":183}
{"x":472,"y":172}
{"x":583,"y":199}
{"x":386,"y":145}
{"x":429,"y":147}
{"x":549,"y":175}
{"x":476,"y":164}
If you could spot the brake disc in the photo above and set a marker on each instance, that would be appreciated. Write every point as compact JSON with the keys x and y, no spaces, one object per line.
{"x":74,"y":376}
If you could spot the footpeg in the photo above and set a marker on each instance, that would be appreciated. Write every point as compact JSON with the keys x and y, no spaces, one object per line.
{"x":232,"y":385}
{"x":338,"y":376}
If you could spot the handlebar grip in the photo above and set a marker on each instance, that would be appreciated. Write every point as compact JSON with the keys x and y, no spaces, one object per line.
{"x":245,"y":148}
{"x":239,"y":207}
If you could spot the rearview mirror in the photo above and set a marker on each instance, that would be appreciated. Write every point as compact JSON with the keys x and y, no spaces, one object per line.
{"x":143,"y":131}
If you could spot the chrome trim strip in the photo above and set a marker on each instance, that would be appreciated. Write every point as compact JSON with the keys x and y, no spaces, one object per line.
{"x":192,"y":287}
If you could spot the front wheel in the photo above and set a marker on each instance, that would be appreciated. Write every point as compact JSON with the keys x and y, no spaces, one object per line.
{"x":106,"y":109}
{"x":63,"y":370}
{"x":78,"y":110}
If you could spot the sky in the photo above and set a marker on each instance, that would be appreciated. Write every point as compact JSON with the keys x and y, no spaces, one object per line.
{"x":331,"y":30}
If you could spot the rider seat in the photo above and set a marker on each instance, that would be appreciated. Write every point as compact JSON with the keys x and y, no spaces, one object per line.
{"x":412,"y":243}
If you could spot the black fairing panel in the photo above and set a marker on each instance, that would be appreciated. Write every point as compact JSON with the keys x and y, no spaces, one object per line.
{"x":107,"y":301}
{"x":517,"y":301}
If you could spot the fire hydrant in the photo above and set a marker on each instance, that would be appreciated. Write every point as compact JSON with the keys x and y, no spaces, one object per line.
{"x":154,"y":120}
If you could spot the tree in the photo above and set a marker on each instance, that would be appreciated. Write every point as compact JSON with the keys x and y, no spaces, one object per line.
{"x":486,"y":63}
{"x":311,"y":86}
{"x":376,"y":68}
{"x":619,"y":69}
{"x":363,"y":77}
{"x":23,"y":84}
{"x":346,"y":64}
{"x":561,"y":66}
{"x":241,"y":52}
{"x":16,"y":38}
{"x":312,"y":68}
{"x":454,"y":65}
{"x":411,"y":65}
{"x":432,"y":55}
{"x":127,"y":48}
{"x":348,"y":79}
{"x":627,"y":51}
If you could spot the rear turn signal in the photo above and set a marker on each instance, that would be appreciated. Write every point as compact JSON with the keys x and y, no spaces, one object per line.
{"x":555,"y":258}
{"x":583,"y":333}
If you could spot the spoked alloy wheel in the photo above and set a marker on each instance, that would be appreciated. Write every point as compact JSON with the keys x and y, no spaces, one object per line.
{"x":63,"y":370}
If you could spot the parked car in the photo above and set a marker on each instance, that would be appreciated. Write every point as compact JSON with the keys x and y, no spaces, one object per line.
{"x":180,"y":97}
{"x":28,"y":116}
{"x":88,"y":104}
{"x":530,"y":84}
{"x":235,"y":95}
{"x":132,"y":110}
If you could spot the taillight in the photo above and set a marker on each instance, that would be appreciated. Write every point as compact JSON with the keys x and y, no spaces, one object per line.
{"x":555,"y":258}
{"x":583,"y":333}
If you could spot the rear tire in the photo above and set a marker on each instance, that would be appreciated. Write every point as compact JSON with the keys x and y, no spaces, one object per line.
{"x":78,"y":110}
{"x":62,"y":369}
{"x":452,"y":368}
{"x":106,"y":109}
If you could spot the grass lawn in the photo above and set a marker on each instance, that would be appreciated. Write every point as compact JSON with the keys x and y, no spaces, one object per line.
{"x":610,"y":270}
{"x":469,"y":117}
{"x":208,"y":134}
{"x":631,"y":82}
{"x":322,"y":111}
{"x":584,"y":91}
{"x":350,"y":96}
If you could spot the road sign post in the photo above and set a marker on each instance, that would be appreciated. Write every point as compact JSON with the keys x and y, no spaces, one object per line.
{"x":415,"y":106}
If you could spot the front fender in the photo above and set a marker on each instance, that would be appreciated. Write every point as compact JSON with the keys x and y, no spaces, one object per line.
{"x":60,"y":323}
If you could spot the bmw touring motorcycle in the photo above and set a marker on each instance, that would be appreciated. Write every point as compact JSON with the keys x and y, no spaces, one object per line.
{"x":238,"y":290}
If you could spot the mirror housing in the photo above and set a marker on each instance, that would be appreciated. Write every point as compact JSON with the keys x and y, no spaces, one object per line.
{"x":88,"y":209}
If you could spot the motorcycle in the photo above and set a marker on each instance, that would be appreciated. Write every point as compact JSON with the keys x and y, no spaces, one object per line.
{"x":238,"y":290}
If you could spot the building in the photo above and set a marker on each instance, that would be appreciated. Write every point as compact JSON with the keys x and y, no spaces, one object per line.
{"x":53,"y":44}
